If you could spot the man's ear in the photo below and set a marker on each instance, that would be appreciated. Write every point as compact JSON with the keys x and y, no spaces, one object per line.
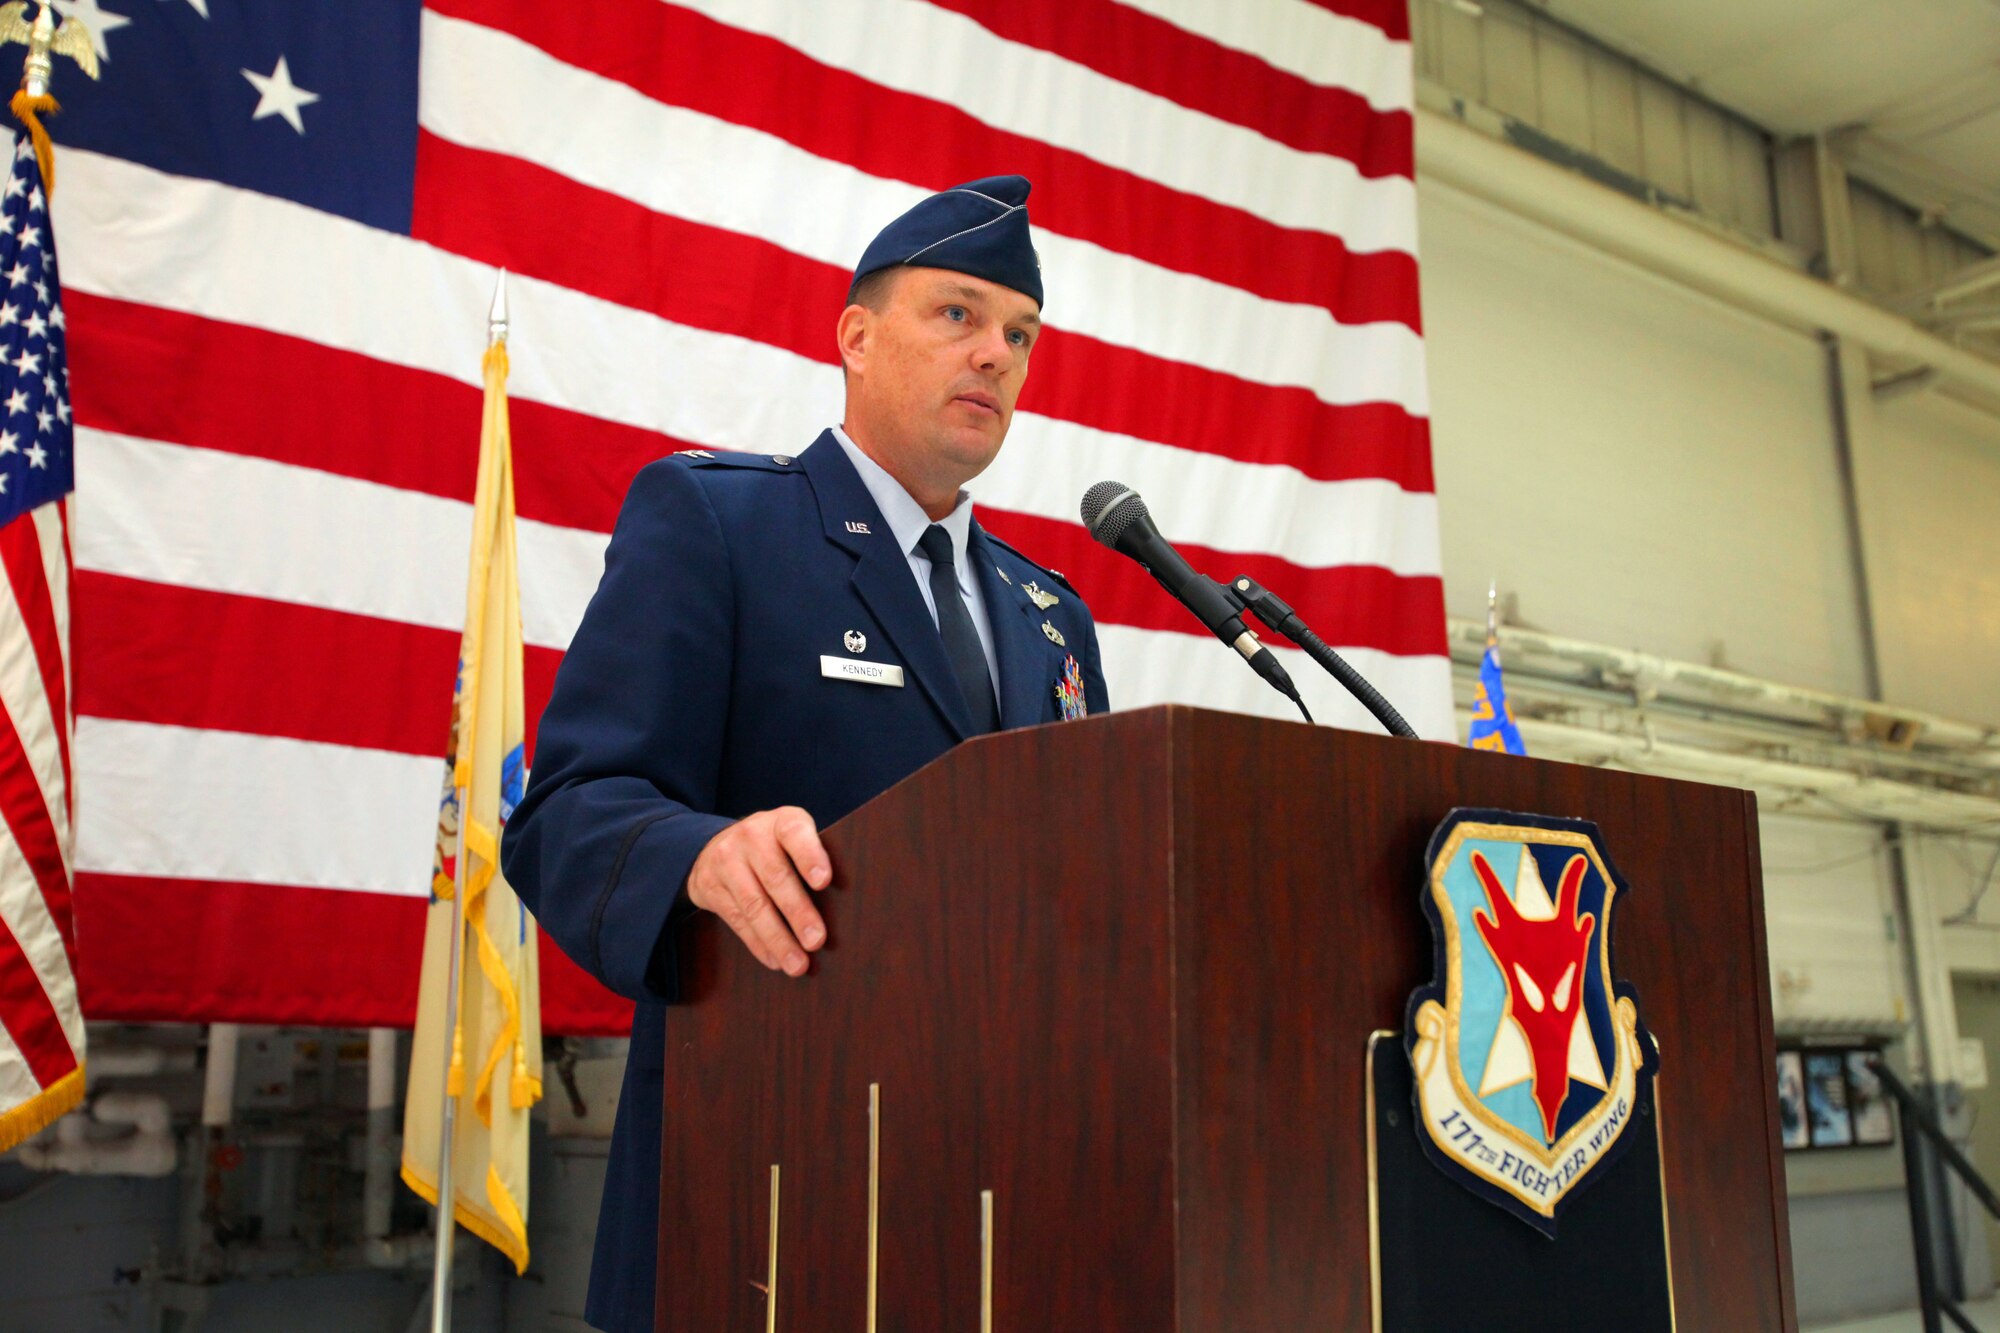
{"x":851,"y":334}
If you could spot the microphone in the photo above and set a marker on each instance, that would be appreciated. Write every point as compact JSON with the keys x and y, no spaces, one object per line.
{"x":1116,"y":516}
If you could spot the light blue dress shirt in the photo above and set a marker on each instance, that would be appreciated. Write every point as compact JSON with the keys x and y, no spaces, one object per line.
{"x":908,"y":522}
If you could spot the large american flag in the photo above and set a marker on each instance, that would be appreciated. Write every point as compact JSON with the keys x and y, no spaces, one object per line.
{"x":41,"y":1028}
{"x":282,"y":221}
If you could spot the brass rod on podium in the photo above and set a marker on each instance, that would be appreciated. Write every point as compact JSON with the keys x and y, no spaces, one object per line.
{"x":771,"y":1271}
{"x":986,"y":1261}
{"x":874,"y":1192}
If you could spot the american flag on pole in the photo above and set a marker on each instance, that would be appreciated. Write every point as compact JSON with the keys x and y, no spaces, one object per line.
{"x":282,"y":219}
{"x":41,"y":1028}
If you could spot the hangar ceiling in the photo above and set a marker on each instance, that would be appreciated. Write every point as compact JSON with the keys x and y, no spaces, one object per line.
{"x":1906,"y":94}
{"x":1908,"y":89}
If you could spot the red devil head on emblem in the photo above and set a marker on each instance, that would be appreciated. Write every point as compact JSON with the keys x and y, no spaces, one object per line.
{"x":1543,"y":961}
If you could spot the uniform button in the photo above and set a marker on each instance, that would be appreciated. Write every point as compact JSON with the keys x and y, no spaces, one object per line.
{"x":782,"y":460}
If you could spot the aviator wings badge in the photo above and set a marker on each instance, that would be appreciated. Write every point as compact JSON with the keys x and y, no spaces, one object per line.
{"x":1530,"y":1057}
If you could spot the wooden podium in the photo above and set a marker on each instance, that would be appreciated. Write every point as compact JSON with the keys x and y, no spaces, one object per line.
{"x":1122,"y":974}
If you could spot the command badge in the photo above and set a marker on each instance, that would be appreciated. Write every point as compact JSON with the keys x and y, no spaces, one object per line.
{"x":1530,"y":1058}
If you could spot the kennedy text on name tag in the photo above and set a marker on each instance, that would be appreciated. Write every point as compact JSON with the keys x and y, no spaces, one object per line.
{"x":868,"y":673}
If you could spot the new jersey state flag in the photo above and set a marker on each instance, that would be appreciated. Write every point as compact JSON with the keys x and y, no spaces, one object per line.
{"x":495,"y":1051}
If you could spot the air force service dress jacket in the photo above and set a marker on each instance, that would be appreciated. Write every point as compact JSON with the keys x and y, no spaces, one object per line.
{"x":693,"y":694}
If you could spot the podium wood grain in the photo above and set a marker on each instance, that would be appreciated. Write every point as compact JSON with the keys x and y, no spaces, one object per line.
{"x":1122,"y":972}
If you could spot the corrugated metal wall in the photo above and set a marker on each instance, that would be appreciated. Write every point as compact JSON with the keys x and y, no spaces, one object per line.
{"x":1527,"y":66}
{"x":1612,"y":447}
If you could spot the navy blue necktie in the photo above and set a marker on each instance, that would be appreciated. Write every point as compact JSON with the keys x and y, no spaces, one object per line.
{"x":961,"y":640}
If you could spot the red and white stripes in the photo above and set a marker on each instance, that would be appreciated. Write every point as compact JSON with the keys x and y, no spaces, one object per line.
{"x":41,"y":1024}
{"x":278,"y":407}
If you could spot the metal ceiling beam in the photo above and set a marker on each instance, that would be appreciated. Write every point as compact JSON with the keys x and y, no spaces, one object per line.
{"x":1453,"y":154}
{"x":1967,"y":206}
{"x":1965,"y":318}
{"x":1656,"y":676}
{"x":1968,"y":281}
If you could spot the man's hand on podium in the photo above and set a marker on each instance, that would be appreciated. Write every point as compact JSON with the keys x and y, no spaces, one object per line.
{"x":754,"y":874}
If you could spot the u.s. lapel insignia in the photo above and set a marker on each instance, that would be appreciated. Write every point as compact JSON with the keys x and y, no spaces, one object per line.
{"x":1530,"y":1057}
{"x":1055,"y":635}
{"x":1069,"y":692}
{"x":1042,"y":600}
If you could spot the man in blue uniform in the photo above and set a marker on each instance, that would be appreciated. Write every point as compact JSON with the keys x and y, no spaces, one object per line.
{"x":777,"y":639}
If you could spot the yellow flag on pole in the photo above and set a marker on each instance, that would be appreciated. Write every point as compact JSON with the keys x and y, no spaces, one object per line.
{"x":492,"y":1062}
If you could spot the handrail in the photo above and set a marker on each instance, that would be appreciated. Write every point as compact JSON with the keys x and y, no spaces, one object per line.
{"x":1921,"y":1127}
{"x":1913,"y":1106}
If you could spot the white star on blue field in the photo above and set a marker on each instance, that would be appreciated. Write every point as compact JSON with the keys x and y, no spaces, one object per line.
{"x":292,"y":98}
{"x":37,"y":457}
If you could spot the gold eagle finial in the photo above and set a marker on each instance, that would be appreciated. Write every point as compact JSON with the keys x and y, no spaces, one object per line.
{"x":45,"y":41}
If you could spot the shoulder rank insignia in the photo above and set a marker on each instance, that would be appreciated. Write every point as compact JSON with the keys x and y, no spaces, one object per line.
{"x":1042,"y":600}
{"x":1055,"y":635}
{"x":697,"y":453}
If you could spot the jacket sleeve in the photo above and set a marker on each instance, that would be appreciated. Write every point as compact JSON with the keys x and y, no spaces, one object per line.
{"x":628,"y":753}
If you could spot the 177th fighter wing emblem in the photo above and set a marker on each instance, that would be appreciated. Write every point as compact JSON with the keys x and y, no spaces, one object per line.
{"x":1530,"y":1057}
{"x":71,"y":39}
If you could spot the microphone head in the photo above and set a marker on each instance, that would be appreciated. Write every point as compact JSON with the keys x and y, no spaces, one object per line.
{"x":1110,"y":508}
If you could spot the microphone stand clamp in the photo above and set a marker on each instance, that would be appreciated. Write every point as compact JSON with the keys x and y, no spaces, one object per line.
{"x":1250,"y":596}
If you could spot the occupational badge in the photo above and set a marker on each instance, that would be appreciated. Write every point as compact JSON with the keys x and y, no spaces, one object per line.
{"x":1069,"y":692}
{"x":855,"y":641}
{"x":1042,"y":600}
{"x":1054,"y":635}
{"x":1530,"y":1058}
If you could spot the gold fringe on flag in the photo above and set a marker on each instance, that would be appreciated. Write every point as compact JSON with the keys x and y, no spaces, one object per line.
{"x":42,"y":1110}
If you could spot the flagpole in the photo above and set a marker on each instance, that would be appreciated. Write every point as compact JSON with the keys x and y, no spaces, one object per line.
{"x":496,"y":334}
{"x":447,"y":1230}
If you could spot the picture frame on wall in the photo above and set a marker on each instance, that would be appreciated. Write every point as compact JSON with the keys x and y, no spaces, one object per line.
{"x":1831,"y":1097}
{"x":1868,"y":1102}
{"x":1792,"y":1100}
{"x":1828,"y":1114}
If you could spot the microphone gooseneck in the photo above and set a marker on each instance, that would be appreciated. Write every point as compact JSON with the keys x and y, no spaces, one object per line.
{"x":1279,"y":618}
{"x":1116,"y":516}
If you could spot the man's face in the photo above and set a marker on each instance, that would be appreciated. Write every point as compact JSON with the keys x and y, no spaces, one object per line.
{"x":934,"y":374}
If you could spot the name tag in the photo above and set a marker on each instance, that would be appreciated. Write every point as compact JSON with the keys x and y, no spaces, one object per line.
{"x":868,"y":673}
